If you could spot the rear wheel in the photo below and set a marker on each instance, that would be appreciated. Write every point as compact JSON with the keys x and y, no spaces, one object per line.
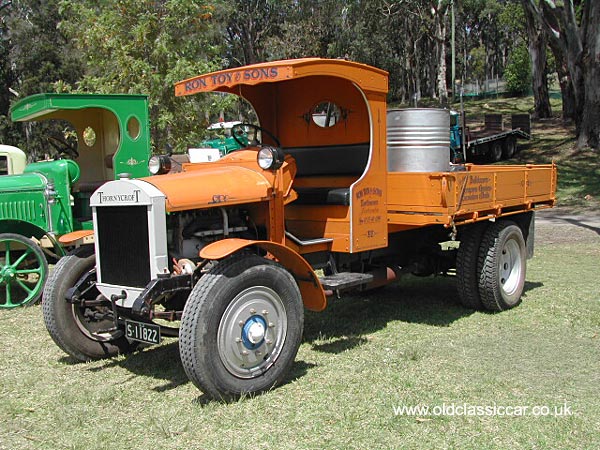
{"x":495,"y":151}
{"x":23,"y":271}
{"x":467,"y":258}
{"x":241,"y":327}
{"x":84,"y":331}
{"x":510,"y":147}
{"x":502,"y":266}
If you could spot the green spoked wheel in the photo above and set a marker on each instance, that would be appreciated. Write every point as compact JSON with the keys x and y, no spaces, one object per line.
{"x":23,"y":271}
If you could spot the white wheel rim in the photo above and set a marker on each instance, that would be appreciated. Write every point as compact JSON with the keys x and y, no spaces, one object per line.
{"x":252,"y":332}
{"x":510,"y":267}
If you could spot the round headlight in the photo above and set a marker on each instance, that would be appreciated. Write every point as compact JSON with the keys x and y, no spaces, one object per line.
{"x":159,"y":164}
{"x":270,"y":158}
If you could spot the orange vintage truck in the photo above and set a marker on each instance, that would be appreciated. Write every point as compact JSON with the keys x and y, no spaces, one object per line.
{"x":334,"y":192}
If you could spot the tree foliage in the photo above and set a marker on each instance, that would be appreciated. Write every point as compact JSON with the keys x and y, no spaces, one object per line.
{"x":518,"y":71}
{"x":35,"y":53}
{"x":145,"y":46}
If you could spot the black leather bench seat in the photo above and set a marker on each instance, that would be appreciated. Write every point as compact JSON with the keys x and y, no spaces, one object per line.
{"x":323,"y":196}
{"x":332,"y":161}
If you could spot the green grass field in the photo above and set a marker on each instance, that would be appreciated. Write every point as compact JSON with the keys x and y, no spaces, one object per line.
{"x":407,"y":345}
{"x":361,"y":360}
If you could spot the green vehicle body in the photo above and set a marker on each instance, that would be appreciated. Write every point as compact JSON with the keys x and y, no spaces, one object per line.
{"x":225,"y":142}
{"x":51,"y":198}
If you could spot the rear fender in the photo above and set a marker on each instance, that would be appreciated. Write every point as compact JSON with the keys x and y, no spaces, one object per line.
{"x":313,"y":295}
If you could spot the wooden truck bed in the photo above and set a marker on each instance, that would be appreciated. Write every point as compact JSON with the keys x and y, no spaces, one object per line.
{"x":479,"y":193}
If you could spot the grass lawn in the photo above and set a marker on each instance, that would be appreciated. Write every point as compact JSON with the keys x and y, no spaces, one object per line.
{"x":407,"y":345}
{"x":526,"y":378}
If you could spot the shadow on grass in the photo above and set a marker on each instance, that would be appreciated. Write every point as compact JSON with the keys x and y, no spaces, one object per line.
{"x":430,"y":301}
{"x":163,"y":363}
{"x":530,"y":286}
{"x":160,"y":362}
{"x":298,"y":370}
{"x":583,"y":225}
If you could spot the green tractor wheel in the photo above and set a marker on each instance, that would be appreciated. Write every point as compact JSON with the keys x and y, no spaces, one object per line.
{"x":23,"y":271}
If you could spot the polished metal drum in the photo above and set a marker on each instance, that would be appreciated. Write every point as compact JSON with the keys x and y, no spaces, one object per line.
{"x":418,"y":140}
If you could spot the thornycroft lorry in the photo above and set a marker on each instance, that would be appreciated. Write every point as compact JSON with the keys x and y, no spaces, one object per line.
{"x":333,"y":193}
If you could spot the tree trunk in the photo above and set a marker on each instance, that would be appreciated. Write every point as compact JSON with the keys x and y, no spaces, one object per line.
{"x":440,"y":16}
{"x":562,"y":26}
{"x":589,"y":129}
{"x":569,"y":109}
{"x":580,"y":46}
{"x":441,"y":72}
{"x":537,"y":52}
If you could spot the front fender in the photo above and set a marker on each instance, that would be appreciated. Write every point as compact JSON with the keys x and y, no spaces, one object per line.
{"x":22,"y":227}
{"x":313,"y":295}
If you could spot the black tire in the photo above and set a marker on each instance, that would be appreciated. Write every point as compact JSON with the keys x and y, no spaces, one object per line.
{"x":75,"y":333}
{"x":495,"y":151}
{"x":467,"y":259}
{"x":223,"y":317}
{"x":502,"y":266}
{"x":509,"y":148}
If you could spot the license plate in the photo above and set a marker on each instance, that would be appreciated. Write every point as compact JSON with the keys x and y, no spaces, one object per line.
{"x":143,"y":332}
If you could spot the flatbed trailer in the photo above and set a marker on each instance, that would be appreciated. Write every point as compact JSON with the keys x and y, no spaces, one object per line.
{"x":491,"y":142}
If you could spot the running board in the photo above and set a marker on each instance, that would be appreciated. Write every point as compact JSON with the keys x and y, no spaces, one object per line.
{"x":306,"y":242}
{"x":345,"y":280}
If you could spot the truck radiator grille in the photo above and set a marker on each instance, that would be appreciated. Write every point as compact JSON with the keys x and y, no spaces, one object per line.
{"x":123,"y":245}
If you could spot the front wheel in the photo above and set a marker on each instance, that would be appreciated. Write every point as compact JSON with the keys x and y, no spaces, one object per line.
{"x":241,"y":327}
{"x":83,"y":330}
{"x":23,"y":271}
{"x":502,"y":266}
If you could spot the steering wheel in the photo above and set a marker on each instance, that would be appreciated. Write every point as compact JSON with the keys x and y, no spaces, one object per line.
{"x":239,"y":129}
{"x":63,"y":147}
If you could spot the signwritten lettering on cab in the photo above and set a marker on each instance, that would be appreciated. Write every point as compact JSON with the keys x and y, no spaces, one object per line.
{"x":210,"y":81}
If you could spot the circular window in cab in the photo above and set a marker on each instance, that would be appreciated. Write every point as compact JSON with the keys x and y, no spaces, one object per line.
{"x":326,"y":114}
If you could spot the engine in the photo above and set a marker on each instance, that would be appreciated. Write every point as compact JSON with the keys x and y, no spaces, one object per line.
{"x":188,"y":232}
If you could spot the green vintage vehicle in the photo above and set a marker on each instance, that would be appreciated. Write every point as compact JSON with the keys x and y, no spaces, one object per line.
{"x":51,"y":197}
{"x":226,"y":137}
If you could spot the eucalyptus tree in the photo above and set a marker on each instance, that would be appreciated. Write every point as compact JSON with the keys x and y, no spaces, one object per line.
{"x":573,"y":29}
{"x":537,"y":51}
